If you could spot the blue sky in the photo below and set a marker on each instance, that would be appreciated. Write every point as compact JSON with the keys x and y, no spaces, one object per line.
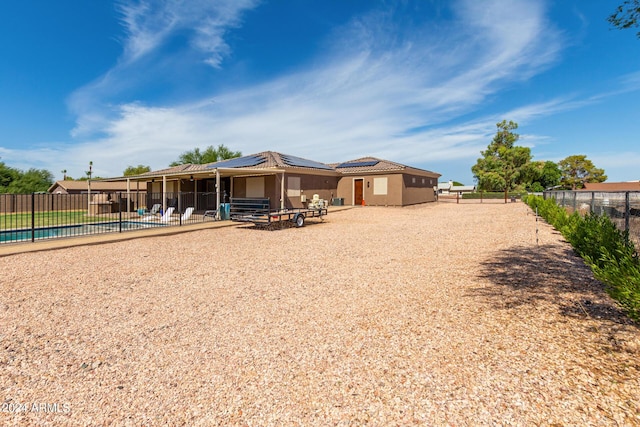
{"x":422,"y":83}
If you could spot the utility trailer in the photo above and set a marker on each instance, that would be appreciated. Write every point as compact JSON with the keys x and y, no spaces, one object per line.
{"x":258,"y":211}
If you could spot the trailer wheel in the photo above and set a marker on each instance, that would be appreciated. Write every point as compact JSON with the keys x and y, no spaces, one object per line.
{"x":299,"y":220}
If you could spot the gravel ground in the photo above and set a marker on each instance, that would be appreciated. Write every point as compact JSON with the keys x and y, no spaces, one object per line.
{"x":437,"y":314}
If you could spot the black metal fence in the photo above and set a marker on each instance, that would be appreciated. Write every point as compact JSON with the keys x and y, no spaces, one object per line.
{"x":36,"y":217}
{"x":622,"y":207}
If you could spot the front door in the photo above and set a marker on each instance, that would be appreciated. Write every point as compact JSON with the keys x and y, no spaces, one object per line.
{"x":358,"y":191}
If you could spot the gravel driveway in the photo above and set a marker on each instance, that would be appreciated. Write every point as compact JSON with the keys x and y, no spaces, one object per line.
{"x":437,"y":314}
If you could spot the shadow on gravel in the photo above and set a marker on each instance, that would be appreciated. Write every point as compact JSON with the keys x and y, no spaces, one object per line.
{"x":525,"y":276}
{"x":280,"y":225}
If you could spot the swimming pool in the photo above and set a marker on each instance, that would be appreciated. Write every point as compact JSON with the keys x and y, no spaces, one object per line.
{"x":21,"y":235}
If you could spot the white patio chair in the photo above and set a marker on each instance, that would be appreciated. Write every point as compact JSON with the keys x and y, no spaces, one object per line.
{"x":167,"y":215}
{"x":155,"y":209}
{"x":186,"y":215}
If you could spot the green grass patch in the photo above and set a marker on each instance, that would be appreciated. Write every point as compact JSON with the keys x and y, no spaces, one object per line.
{"x":46,"y":219}
{"x":607,"y":250}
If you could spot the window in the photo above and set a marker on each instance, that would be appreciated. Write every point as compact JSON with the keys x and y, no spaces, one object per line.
{"x":293,"y":186}
{"x":255,"y":187}
{"x":380,"y":186}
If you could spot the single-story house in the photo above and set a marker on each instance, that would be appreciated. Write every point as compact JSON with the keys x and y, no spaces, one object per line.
{"x":447,"y":188}
{"x":288,"y":181}
{"x":105,"y":196}
{"x":378,"y":182}
{"x":444,"y":187}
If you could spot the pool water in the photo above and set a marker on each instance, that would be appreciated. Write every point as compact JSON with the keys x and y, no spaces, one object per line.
{"x":72,"y":230}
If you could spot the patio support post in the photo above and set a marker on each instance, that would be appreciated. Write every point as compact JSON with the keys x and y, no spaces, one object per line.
{"x":218,"y":192}
{"x":164,"y":193}
{"x":128,"y":196}
{"x":195,"y":193}
{"x":179,"y":194}
{"x":282,"y":192}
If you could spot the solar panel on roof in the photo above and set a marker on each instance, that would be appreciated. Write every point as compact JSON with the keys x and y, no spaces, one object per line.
{"x":358,"y":164}
{"x":239,"y":162}
{"x":303,"y":163}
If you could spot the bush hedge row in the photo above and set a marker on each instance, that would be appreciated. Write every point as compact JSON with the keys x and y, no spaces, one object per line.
{"x":491,"y":195}
{"x":607,"y":250}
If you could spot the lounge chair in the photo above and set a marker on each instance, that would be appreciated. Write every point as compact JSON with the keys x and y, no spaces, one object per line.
{"x":210,"y":214}
{"x":155,"y":210}
{"x":167,"y":215}
{"x":186,"y":215}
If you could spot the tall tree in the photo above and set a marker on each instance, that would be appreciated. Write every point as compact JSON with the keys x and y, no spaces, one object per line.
{"x":627,"y":15}
{"x":136,"y":170}
{"x":503,"y":165}
{"x":15,"y":181}
{"x":209,"y":155}
{"x":551,"y":174}
{"x":544,"y":175}
{"x":31,"y":181}
{"x":7,"y":176}
{"x":577,"y":169}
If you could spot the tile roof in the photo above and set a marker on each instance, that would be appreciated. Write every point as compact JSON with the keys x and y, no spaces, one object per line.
{"x":270,"y":160}
{"x":175,"y":169}
{"x":275,"y":160}
{"x":69,"y":185}
{"x":373,"y":164}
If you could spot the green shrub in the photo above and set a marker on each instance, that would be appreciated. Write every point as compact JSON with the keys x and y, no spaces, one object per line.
{"x":491,"y":195}
{"x":620,"y":271}
{"x":549,"y":210}
{"x":594,"y":235}
{"x":607,"y":250}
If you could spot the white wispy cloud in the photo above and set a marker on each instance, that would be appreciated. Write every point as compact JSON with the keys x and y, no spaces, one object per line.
{"x":382,"y":92}
{"x":148,"y":24}
{"x":403,"y":93}
{"x":148,"y":27}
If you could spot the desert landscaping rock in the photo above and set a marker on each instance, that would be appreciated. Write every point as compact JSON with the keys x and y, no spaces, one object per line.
{"x":437,"y":314}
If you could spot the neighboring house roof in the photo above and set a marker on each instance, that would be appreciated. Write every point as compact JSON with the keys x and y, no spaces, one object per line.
{"x":79,"y":186}
{"x":447,"y":186}
{"x":461,"y":188}
{"x":612,"y":186}
{"x":373,"y":165}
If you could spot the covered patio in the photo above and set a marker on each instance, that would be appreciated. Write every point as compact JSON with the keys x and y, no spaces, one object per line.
{"x":205,"y":188}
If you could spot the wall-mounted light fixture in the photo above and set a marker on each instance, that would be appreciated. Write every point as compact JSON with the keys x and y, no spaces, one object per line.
{"x":191,"y":178}
{"x":368,"y":184}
